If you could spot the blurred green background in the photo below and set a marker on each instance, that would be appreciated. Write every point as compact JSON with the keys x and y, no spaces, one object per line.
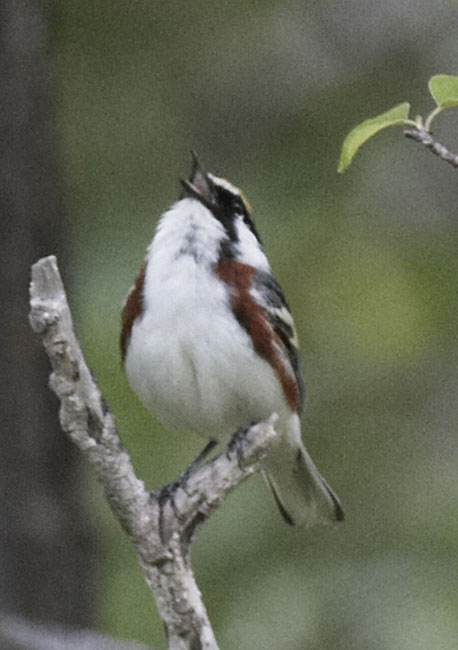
{"x":265,"y":92}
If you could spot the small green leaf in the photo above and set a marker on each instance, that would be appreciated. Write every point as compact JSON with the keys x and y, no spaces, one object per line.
{"x":444,"y":89}
{"x":396,"y":116}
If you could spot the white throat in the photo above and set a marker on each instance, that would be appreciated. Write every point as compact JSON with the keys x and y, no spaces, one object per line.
{"x":188,"y":228}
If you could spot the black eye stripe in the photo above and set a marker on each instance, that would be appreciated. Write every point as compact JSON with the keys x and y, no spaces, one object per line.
{"x":228,"y":206}
{"x":231,"y":201}
{"x":239,"y":205}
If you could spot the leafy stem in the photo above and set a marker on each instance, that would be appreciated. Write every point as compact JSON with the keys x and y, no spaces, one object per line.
{"x":444,"y":91}
{"x":431,"y":117}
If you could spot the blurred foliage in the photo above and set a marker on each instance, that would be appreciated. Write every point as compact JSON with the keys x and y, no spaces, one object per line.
{"x":265,"y":93}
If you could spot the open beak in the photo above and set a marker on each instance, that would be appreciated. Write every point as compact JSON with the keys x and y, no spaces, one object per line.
{"x":199,"y":186}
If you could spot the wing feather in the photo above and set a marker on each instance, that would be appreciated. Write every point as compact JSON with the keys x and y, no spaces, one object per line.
{"x":268,"y":293}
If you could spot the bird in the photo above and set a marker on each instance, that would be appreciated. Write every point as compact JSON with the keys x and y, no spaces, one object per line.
{"x":209,"y":344}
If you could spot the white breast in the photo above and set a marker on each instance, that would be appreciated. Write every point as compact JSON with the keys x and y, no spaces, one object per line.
{"x":188,"y":358}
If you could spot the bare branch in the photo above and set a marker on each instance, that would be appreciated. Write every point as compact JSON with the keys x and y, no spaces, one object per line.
{"x":161,"y":532}
{"x":426,"y":138}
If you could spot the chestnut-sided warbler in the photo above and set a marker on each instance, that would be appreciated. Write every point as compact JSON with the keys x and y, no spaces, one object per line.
{"x":209,"y":344}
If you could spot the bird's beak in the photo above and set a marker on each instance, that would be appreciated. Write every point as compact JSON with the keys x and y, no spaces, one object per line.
{"x":199,"y":186}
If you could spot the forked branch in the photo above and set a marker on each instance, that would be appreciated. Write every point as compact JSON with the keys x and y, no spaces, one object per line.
{"x":162,"y":532}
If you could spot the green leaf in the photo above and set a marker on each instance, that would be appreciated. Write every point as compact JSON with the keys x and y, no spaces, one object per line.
{"x":396,"y":116}
{"x":444,"y":89}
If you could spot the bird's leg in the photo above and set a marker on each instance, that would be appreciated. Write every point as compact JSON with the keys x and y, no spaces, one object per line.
{"x":201,"y":456}
{"x":167,"y":492}
{"x":236,"y":445}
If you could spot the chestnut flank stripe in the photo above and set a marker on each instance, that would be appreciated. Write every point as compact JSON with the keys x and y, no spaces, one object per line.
{"x":251,"y":317}
{"x":133,"y":307}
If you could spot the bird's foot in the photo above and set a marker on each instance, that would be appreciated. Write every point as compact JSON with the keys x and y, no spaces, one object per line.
{"x":167,"y":492}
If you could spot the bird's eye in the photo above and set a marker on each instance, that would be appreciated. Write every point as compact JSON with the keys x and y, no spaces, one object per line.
{"x":239,"y":207}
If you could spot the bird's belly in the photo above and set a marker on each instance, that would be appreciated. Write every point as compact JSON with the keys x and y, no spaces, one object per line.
{"x":194,"y":366}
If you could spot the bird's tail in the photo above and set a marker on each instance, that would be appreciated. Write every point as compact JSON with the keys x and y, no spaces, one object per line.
{"x":301,"y":493}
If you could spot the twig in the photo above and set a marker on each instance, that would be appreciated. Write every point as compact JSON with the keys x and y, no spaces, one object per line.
{"x":426,"y":138}
{"x":162,"y":534}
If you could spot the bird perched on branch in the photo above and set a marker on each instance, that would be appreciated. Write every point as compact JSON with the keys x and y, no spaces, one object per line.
{"x":209,"y":344}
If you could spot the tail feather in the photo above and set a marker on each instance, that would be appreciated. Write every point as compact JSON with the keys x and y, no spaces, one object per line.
{"x":301,"y":493}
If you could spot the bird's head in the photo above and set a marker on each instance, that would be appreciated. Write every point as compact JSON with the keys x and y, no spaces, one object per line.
{"x":226,"y":202}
